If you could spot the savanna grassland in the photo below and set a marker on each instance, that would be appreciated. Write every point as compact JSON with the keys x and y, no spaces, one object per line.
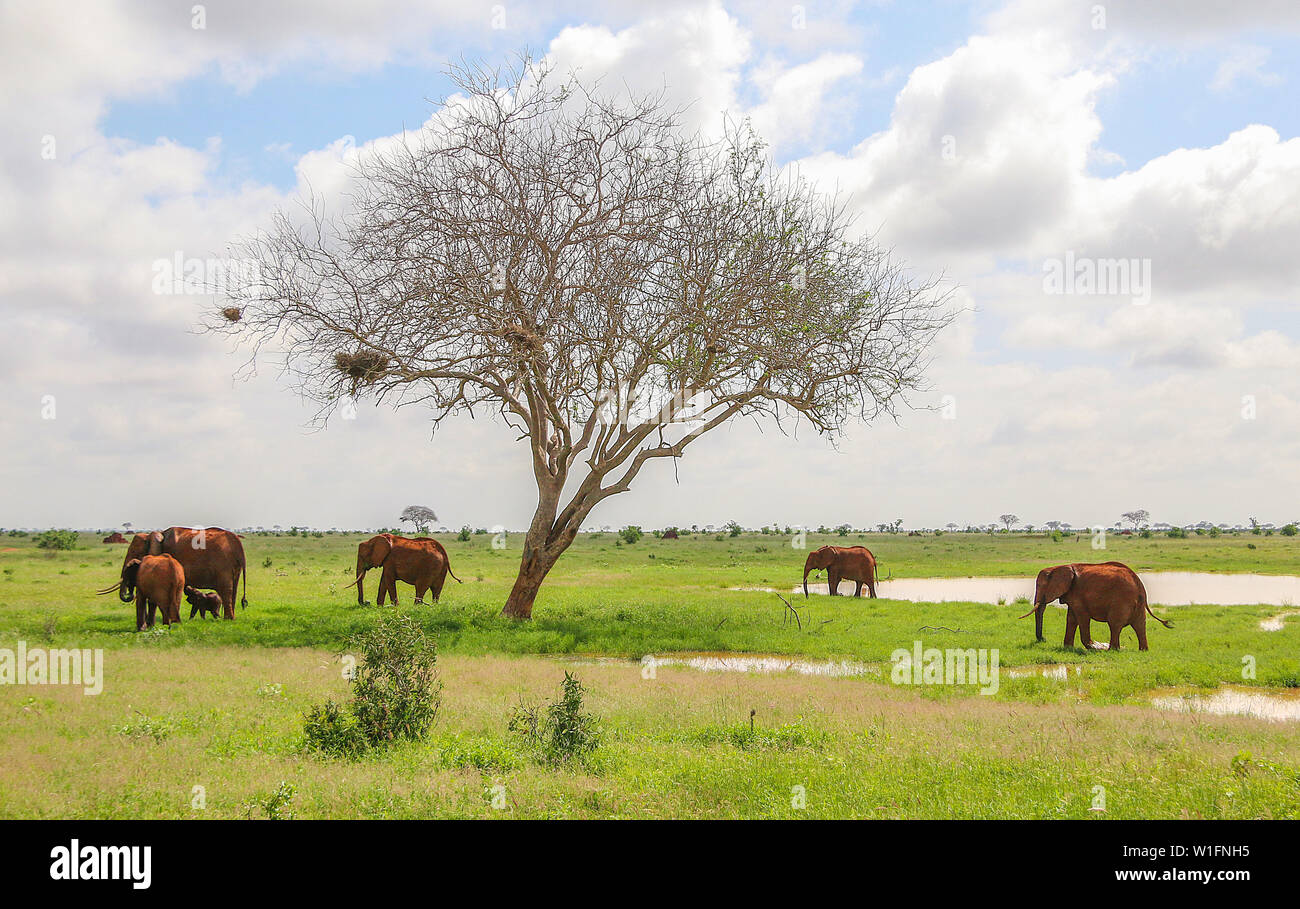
{"x":220,"y":705}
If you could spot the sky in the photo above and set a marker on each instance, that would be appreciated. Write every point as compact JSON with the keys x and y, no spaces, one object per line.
{"x":1016,"y":148}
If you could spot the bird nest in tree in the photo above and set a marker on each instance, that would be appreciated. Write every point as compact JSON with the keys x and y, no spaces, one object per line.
{"x":232,"y":313}
{"x":524,"y":342}
{"x":362,"y":366}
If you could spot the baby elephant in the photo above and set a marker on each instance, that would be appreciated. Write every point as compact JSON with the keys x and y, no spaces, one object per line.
{"x":203,"y":603}
{"x":158,"y":581}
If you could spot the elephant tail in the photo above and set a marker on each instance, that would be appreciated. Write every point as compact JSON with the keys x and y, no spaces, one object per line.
{"x":453,"y":574}
{"x":243,"y":599}
{"x":1147,"y":607}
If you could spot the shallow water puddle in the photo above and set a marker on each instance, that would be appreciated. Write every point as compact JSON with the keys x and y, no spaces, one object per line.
{"x":755,"y":662}
{"x":1059,"y":672}
{"x":724,"y":661}
{"x":1165,"y":588}
{"x":1233,"y":701}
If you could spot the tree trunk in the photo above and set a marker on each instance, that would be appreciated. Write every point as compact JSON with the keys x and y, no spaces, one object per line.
{"x":543,"y":545}
{"x":533,"y":568}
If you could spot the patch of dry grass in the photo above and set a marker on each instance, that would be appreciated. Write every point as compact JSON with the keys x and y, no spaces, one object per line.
{"x":675,"y":746}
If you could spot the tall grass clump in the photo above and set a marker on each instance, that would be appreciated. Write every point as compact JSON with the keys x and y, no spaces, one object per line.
{"x":396,"y":693}
{"x":561,"y":732}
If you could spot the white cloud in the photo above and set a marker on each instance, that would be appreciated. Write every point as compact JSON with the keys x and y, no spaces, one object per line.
{"x":1244,"y":64}
{"x":1068,"y":407}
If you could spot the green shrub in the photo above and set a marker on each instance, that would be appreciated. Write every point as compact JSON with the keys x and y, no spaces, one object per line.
{"x":1289,"y":530}
{"x":396,"y":689}
{"x":733,"y":529}
{"x":560,"y":732}
{"x":395,"y":692}
{"x":57,"y":539}
{"x":631,"y":533}
{"x":464,"y":534}
{"x":332,"y":729}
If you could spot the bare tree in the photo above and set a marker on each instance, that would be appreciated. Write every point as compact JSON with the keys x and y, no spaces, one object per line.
{"x":1137,"y":518}
{"x":1009,"y":520}
{"x":608,"y":284}
{"x":419,"y":515}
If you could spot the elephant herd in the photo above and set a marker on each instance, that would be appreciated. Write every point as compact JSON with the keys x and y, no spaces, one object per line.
{"x":1108,"y":592}
{"x":162,"y":566}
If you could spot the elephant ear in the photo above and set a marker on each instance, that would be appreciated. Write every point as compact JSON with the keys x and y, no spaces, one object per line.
{"x":1059,"y":581}
{"x":155,"y":543}
{"x":383,"y":545}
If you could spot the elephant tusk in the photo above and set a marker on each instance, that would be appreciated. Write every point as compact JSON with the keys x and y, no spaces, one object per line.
{"x":1028,"y":614}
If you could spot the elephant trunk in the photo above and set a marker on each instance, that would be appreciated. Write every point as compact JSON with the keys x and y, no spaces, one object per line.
{"x":807,"y":567}
{"x":125,"y":592}
{"x":362,"y":568}
{"x":1040,"y":607}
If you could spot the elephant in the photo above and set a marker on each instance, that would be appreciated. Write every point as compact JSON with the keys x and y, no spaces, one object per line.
{"x":212,"y":558}
{"x":851,"y":563}
{"x":202,"y":603}
{"x":1109,"y":592}
{"x":422,"y":562}
{"x":158,"y":581}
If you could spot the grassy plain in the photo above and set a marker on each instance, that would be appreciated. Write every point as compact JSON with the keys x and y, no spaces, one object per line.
{"x":219,"y":704}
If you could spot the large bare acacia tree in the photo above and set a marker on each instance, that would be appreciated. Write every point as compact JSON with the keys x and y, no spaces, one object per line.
{"x":610,"y":284}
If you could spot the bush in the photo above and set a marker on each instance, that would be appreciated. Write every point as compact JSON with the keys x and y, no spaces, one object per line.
{"x":332,"y":729}
{"x":396,"y":688}
{"x":561,"y":732}
{"x":395,"y":693}
{"x":1177,"y":533}
{"x":630,"y":534}
{"x":57,"y":539}
{"x":733,"y":529}
{"x":464,"y":534}
{"x":1289,"y":530}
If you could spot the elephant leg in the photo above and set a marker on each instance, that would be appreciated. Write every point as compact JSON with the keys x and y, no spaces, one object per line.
{"x":421,"y":587}
{"x":152,"y":613}
{"x":1085,"y":632}
{"x":857,"y":591}
{"x":871,"y":588}
{"x":227,"y":594}
{"x":1115,"y":629}
{"x":1071,"y":622}
{"x":392,"y":588}
{"x":139,"y":612}
{"x":1140,"y":629}
{"x":833,"y":582}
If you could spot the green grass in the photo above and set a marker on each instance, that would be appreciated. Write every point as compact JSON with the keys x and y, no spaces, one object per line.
{"x":202,"y":700}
